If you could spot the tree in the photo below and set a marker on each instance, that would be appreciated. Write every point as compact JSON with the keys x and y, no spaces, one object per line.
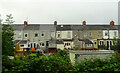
{"x":114,"y":41}
{"x":0,"y":20}
{"x":7,"y":36}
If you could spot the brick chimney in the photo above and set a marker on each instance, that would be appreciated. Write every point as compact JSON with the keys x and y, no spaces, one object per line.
{"x":84,"y":23}
{"x":55,"y":22}
{"x":112,"y":23}
{"x":25,"y":23}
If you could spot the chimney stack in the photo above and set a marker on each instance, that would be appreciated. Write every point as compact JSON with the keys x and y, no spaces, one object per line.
{"x":55,"y":22}
{"x":25,"y":23}
{"x":112,"y":23}
{"x":84,"y":23}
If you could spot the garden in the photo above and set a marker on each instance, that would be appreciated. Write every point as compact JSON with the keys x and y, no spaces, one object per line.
{"x":58,"y":62}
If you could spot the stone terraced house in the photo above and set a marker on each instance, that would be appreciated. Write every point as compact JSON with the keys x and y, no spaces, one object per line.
{"x":64,"y":36}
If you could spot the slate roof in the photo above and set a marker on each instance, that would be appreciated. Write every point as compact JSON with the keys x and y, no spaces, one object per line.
{"x":16,"y":41}
{"x":20,"y":41}
{"x":59,"y":42}
{"x":67,"y":39}
{"x":18,"y":26}
{"x":86,"y":41}
{"x":63,"y":27}
{"x":32,"y":27}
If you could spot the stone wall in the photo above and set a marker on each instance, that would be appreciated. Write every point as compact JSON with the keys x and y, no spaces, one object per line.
{"x":78,"y":56}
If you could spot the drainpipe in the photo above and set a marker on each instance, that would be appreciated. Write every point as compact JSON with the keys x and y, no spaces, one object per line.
{"x":108,"y":39}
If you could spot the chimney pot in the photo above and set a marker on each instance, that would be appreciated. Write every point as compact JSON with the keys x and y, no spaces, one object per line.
{"x":25,"y":23}
{"x":55,"y":22}
{"x":112,"y":23}
{"x":84,"y":23}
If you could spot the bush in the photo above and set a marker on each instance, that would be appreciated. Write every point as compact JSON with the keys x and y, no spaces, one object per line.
{"x":98,"y":65}
{"x":53,"y":63}
{"x":58,"y":62}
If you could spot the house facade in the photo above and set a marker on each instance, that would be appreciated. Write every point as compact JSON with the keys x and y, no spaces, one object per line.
{"x":62,"y":36}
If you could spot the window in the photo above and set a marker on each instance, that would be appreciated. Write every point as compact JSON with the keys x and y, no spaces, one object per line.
{"x":21,"y":45}
{"x":106,"y":34}
{"x":28,"y":45}
{"x":36,"y":34}
{"x":58,"y":34}
{"x":67,"y":44}
{"x":85,"y":34}
{"x":101,"y":42}
{"x":47,"y":43}
{"x":68,"y":35}
{"x":99,"y":33}
{"x":42,"y":44}
{"x":31,"y":45}
{"x":19,"y":35}
{"x":115,"y":33}
{"x":95,"y":43}
{"x":34,"y":45}
{"x":110,"y":43}
{"x":43,"y":34}
{"x":52,"y":34}
{"x":26,"y":35}
{"x":90,"y":33}
{"x":89,"y":45}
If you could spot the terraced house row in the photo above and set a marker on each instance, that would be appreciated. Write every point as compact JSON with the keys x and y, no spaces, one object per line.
{"x":64,"y":36}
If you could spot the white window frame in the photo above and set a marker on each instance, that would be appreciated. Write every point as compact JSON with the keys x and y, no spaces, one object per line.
{"x":85,"y":34}
{"x":90,"y":34}
{"x":53,"y":34}
{"x":101,"y":42}
{"x":99,"y":33}
{"x":115,"y":33}
{"x":19,"y":34}
{"x":59,"y":34}
{"x":106,"y":33}
{"x":89,"y":45}
{"x":68,"y":34}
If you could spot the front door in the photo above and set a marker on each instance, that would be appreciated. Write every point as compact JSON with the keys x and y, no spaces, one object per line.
{"x":109,"y":44}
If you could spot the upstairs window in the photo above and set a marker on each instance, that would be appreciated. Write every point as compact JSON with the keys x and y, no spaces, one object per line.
{"x":42,"y":34}
{"x":52,"y":34}
{"x":25,"y":35}
{"x":115,"y":33}
{"x":90,"y":33}
{"x":99,"y":33}
{"x":68,"y":35}
{"x":58,"y":35}
{"x":106,"y":33}
{"x":36,"y":34}
{"x":85,"y":34}
{"x":20,"y":34}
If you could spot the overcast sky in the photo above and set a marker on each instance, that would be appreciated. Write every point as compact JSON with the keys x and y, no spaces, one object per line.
{"x":63,"y":11}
